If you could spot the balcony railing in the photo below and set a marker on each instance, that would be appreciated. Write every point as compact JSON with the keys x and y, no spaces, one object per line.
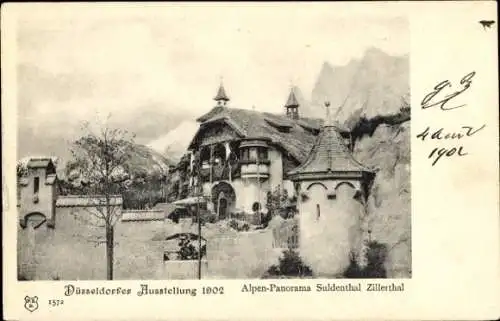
{"x":254,"y":161}
{"x":220,"y":172}
{"x":255,"y":168}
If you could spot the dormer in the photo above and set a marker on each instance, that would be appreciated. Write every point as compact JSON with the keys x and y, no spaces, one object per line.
{"x":280,"y":123}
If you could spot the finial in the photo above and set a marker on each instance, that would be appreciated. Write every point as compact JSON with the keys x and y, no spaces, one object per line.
{"x":328,"y":120}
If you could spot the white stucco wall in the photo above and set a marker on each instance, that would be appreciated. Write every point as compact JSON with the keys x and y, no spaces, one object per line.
{"x":326,"y":240}
{"x":248,"y":191}
{"x":288,"y":186}
{"x":275,"y":168}
{"x":46,"y":195}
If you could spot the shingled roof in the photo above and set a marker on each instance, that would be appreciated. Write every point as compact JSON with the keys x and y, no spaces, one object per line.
{"x":329,"y":156}
{"x":39,"y":162}
{"x":292,"y":100}
{"x":295,"y":136}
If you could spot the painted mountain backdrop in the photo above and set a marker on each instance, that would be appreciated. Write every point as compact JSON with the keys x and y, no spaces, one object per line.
{"x":370,"y":86}
{"x":374,"y":85}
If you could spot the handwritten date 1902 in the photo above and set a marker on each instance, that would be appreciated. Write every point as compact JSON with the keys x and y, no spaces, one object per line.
{"x":430,"y":100}
{"x":440,"y":152}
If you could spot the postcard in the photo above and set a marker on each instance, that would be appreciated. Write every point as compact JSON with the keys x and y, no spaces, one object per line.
{"x":326,"y":161}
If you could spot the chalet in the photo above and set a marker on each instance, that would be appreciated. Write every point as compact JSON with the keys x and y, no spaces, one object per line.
{"x":239,"y":155}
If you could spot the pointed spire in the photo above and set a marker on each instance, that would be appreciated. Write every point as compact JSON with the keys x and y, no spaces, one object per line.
{"x":329,"y":155}
{"x":292,"y":100}
{"x":292,"y":105}
{"x":221,"y":98}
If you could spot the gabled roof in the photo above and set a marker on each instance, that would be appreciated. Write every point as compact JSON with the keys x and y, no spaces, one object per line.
{"x":329,"y":155}
{"x":296,"y":140}
{"x":39,"y":163}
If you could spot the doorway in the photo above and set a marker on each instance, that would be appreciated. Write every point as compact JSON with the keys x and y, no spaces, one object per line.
{"x":223,"y":208}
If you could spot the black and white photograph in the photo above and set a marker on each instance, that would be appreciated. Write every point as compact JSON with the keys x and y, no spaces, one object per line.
{"x":215,"y":142}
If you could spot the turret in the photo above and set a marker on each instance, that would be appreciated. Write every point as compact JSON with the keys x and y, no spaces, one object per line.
{"x":292,"y":106}
{"x":221,"y":98}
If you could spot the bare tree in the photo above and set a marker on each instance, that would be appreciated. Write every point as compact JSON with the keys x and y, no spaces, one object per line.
{"x":98,"y":169}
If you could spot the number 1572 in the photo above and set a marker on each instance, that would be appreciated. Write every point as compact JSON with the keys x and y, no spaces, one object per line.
{"x":55,"y":303}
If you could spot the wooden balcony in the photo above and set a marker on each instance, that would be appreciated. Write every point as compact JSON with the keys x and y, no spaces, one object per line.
{"x":220,"y":172}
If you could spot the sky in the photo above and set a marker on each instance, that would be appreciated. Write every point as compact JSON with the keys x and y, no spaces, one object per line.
{"x":76,"y":62}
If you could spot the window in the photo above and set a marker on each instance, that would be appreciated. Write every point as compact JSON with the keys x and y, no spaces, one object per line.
{"x":263,"y":153}
{"x":36,"y":185}
{"x":244,"y":154}
{"x":318,"y":212}
{"x":253,"y":154}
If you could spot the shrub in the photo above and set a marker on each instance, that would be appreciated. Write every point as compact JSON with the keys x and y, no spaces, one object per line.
{"x":375,"y":256}
{"x":290,"y":265}
{"x":240,"y":226}
{"x":239,"y":215}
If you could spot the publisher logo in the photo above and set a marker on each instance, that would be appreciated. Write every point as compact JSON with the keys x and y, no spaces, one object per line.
{"x":31,"y":303}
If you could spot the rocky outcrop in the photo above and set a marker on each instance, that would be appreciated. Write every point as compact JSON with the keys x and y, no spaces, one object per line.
{"x":388,"y":221}
{"x":373,"y":85}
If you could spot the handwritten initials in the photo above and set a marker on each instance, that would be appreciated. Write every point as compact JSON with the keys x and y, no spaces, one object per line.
{"x":428,"y":100}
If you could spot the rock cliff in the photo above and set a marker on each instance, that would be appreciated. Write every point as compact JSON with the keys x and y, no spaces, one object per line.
{"x":387,"y":151}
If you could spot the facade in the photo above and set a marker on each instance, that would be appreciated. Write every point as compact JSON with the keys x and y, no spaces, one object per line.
{"x":332,"y":188}
{"x":241,"y":155}
{"x":234,"y":160}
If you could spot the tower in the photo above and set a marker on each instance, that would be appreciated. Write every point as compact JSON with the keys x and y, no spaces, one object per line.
{"x":38,"y":193}
{"x":292,"y":106}
{"x":221,"y":98}
{"x":332,"y":188}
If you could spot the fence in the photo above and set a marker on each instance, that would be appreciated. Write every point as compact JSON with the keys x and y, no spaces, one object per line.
{"x":286,"y":235}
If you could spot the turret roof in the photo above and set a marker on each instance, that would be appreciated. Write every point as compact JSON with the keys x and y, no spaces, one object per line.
{"x":292,"y":100}
{"x":221,"y":94}
{"x":329,"y":154}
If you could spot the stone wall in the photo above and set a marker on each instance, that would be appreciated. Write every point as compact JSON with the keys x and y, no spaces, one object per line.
{"x":234,"y":255}
{"x":75,"y":249}
{"x":65,"y":251}
{"x":137,"y":254}
{"x":78,"y":238}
